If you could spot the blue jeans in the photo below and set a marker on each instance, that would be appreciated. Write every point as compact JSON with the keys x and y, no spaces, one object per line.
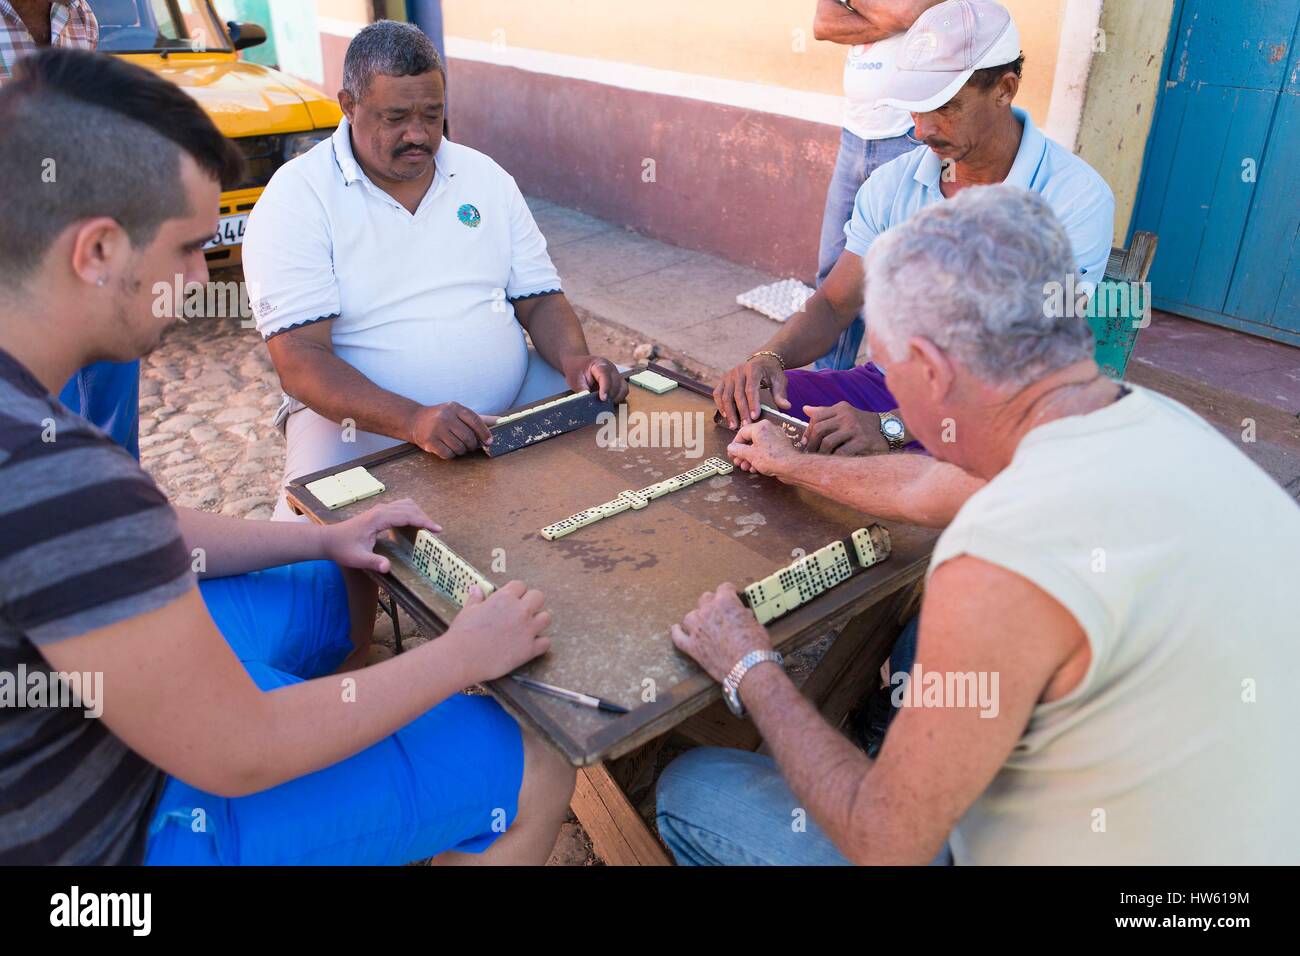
{"x":447,"y":780}
{"x":723,"y":807}
{"x":857,"y":160}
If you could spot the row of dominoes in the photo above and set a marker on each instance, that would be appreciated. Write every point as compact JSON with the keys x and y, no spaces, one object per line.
{"x":450,"y":573}
{"x":636,"y":500}
{"x":815,"y":574}
{"x":514,"y":416}
{"x":335,"y":491}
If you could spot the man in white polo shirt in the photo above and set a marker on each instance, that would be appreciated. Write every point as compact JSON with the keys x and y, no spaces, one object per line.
{"x":393,"y":274}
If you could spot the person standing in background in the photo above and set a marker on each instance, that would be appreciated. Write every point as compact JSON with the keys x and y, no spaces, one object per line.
{"x":28,"y":25}
{"x":873,"y":29}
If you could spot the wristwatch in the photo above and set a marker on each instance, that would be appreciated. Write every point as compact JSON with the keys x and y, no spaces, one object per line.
{"x":731,"y":683}
{"x":891,"y":426}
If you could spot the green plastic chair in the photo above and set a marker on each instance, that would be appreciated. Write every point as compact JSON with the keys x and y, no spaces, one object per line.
{"x":1122,"y":299}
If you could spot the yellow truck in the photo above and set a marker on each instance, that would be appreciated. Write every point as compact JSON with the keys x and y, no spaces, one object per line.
{"x":271,"y":116}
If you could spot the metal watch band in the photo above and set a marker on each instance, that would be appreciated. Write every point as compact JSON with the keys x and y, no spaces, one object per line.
{"x":731,"y":683}
{"x":895,"y":442}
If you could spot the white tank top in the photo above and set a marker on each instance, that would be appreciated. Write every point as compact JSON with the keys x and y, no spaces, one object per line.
{"x":1180,"y":560}
{"x":865,"y":71}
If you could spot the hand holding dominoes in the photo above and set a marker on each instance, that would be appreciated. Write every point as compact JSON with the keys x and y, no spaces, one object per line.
{"x":592,"y":373}
{"x":351,"y":543}
{"x":738,"y":394}
{"x":764,"y":448}
{"x":492,"y":636}
{"x":448,"y":430}
{"x":842,"y":429}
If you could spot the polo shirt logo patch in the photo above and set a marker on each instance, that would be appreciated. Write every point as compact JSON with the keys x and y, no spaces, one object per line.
{"x":469,"y":215}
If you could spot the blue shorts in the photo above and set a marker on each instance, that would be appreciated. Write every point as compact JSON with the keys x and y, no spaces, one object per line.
{"x":448,"y":780}
{"x":107,"y":394}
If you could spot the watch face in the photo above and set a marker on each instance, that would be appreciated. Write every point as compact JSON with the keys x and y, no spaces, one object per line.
{"x":892,"y":428}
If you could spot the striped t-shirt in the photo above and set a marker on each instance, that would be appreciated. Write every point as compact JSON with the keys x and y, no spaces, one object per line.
{"x":86,"y":541}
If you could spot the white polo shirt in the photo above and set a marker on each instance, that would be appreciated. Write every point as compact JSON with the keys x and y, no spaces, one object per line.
{"x":421,"y":302}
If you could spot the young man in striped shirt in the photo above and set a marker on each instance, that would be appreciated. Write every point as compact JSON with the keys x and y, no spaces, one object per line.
{"x":216,"y":733}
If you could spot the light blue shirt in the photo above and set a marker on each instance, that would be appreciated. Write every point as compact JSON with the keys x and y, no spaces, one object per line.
{"x":1078,"y":195}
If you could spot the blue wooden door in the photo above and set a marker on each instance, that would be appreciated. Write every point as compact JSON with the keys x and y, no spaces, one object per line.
{"x":1220,"y":182}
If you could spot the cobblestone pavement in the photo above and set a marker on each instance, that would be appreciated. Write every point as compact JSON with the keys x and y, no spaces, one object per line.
{"x":207,"y":396}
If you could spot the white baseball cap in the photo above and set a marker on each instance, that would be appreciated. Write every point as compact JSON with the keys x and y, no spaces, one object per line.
{"x":944,"y":47}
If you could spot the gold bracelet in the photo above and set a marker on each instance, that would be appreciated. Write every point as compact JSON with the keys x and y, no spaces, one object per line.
{"x":771,"y":353}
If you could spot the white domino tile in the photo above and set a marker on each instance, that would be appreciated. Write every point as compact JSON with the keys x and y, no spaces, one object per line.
{"x":653,"y":381}
{"x":812,"y":575}
{"x":533,"y":410}
{"x":450,"y":573}
{"x":346,"y":487}
{"x":637,"y":500}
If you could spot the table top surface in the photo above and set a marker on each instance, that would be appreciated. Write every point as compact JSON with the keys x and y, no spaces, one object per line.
{"x":616,"y":587}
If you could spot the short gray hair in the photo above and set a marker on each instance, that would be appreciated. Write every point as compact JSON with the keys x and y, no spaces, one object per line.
{"x":975,"y":275}
{"x":389,"y":48}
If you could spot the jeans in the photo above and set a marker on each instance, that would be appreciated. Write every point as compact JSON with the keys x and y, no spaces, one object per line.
{"x":857,"y":160}
{"x":722,"y":807}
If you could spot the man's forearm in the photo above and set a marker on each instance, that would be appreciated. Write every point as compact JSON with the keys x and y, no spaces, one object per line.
{"x":869,"y":21}
{"x":335,"y":390}
{"x":837,"y":24}
{"x":823,"y":768}
{"x":554,"y":328}
{"x":807,"y":335}
{"x":221,"y":546}
{"x":915,"y":489}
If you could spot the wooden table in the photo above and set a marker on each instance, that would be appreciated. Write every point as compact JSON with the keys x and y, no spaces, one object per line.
{"x":616,"y":587}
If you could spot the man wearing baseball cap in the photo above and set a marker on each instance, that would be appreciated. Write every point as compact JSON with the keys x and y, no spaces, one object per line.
{"x":957,"y":74}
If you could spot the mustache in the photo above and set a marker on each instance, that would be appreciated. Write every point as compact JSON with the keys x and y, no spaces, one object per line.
{"x":403,"y":150}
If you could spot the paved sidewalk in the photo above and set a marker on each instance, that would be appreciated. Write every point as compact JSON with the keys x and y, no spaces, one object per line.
{"x":683,"y":301}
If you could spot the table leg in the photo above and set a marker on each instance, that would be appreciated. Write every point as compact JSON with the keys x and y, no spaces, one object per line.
{"x":619,"y":835}
{"x":841,"y":679}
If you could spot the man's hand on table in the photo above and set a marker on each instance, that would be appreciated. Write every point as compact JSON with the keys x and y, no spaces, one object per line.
{"x":764,"y":448}
{"x":448,"y":430}
{"x":841,"y":429}
{"x":595,"y":374}
{"x":351,"y":543}
{"x":737,"y":395}
{"x":719,"y":632}
{"x":490,"y":638}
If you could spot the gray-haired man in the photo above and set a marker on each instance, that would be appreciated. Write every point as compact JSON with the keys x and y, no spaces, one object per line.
{"x":394,"y":273}
{"x":1107,"y":619}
